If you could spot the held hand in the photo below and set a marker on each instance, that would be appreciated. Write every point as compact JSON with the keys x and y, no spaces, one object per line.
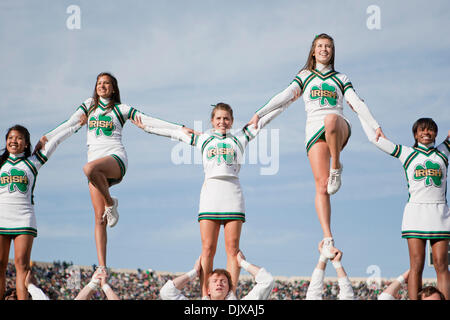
{"x":41,"y":144}
{"x":448,"y":136}
{"x":190,"y":131}
{"x":254,"y":120}
{"x":138,"y":122}
{"x":405,"y":276}
{"x":198,"y":266}
{"x":83,"y":120}
{"x":240,"y":256}
{"x":338,"y":256}
{"x":379,"y":133}
{"x":320,"y":246}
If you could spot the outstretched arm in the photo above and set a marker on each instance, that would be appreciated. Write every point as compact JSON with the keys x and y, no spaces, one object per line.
{"x":172,"y":289}
{"x":264,"y":280}
{"x":382,"y":143}
{"x":177,"y":133}
{"x":281,"y":100}
{"x":363,"y":111}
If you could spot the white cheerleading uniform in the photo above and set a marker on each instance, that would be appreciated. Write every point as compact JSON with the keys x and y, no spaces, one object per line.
{"x":323,"y":93}
{"x":104,"y":130}
{"x":221,"y":196}
{"x":426,"y":215}
{"x":261,"y":291}
{"x":17,"y":180}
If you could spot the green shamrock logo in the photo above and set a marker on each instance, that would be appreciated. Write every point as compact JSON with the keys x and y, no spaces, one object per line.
{"x":16,"y":179}
{"x":103,"y":125}
{"x":326,"y":94}
{"x":432,"y":173}
{"x":223,"y":152}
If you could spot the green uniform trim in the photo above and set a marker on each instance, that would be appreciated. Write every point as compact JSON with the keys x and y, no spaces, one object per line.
{"x":119,"y":115}
{"x":83,"y":107}
{"x":121,"y":164}
{"x":247,"y":133}
{"x":397,"y":151}
{"x":18,"y":231}
{"x":407,"y":234}
{"x":409,"y":159}
{"x":41,"y":157}
{"x":35,"y":172}
{"x":132,"y":114}
{"x":314,"y":139}
{"x":205,"y":143}
{"x":225,"y":216}
{"x":447,"y":144}
{"x":299,"y":82}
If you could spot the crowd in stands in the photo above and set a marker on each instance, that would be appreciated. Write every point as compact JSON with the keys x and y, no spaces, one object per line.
{"x":63,"y":281}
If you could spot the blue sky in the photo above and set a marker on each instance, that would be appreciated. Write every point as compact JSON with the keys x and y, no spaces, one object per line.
{"x":173,"y":60}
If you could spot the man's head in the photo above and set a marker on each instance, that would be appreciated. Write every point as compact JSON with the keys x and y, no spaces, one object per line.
{"x":430,"y":293}
{"x":219,"y":284}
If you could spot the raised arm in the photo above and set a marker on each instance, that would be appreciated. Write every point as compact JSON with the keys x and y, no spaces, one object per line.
{"x":172,"y":289}
{"x":392,"y":290}
{"x":345,"y":286}
{"x":264,"y":280}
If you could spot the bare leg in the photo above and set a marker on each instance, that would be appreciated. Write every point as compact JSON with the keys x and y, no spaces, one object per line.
{"x":440,"y":261}
{"x":209,"y":231}
{"x":98,"y":203}
{"x":22,"y":255}
{"x":319,"y":159}
{"x":98,"y":171}
{"x":5,"y":245}
{"x":336,"y":133}
{"x":232,"y":231}
{"x":416,"y":260}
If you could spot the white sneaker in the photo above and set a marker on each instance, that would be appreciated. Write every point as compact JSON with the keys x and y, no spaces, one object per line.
{"x":111,"y":213}
{"x":334,"y":180}
{"x":328,"y":244}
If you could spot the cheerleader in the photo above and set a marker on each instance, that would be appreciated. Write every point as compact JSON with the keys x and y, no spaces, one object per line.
{"x":221,"y":198}
{"x":426,"y":215}
{"x":107,"y":158}
{"x":18,"y":173}
{"x":327,"y":130}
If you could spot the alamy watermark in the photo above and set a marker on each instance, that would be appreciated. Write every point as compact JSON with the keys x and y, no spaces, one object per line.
{"x":73,"y":22}
{"x":374,"y":281}
{"x":73,"y":278}
{"x":262,"y":150}
{"x":374,"y":20}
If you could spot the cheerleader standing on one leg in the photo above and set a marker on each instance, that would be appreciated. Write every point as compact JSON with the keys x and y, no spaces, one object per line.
{"x":221,"y":198}
{"x":426,"y":215}
{"x":18,"y":173}
{"x":107,"y":158}
{"x":327,"y":130}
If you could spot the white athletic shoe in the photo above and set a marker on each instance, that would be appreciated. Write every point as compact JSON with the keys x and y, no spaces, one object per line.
{"x":328,"y":243}
{"x":334,"y":180}
{"x":111,"y":213}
